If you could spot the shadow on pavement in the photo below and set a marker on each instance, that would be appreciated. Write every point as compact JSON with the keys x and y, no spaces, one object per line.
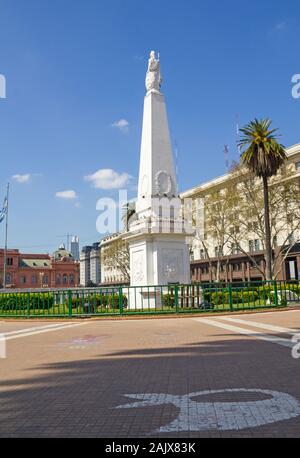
{"x":79,"y":398}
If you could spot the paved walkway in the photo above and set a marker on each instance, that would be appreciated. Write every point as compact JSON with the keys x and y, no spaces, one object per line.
{"x":215,"y":376}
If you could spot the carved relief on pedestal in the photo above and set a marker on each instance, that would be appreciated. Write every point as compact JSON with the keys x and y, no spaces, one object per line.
{"x":172,"y":264}
{"x":138,"y":266}
{"x":163,"y":182}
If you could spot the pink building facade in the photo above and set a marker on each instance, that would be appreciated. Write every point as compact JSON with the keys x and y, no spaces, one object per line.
{"x":27,"y":271}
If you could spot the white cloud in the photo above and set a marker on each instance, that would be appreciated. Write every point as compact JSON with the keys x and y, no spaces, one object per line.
{"x":122,"y":125}
{"x":69,"y":194}
{"x":108,"y":179}
{"x":139,"y":57}
{"x":21,"y":178}
{"x":281,"y":26}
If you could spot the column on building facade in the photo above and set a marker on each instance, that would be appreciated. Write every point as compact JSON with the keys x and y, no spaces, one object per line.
{"x":248,"y":270}
{"x":226,"y":273}
{"x":244,"y":271}
{"x":298,"y":266}
{"x":230,"y":273}
{"x":199,"y":275}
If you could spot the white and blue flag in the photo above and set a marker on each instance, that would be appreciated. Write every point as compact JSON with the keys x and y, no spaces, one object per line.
{"x":3,"y":212}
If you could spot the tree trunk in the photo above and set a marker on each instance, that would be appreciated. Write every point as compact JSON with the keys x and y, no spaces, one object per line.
{"x":268,"y":245}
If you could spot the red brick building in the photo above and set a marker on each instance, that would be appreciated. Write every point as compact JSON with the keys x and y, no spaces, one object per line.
{"x":28,"y":271}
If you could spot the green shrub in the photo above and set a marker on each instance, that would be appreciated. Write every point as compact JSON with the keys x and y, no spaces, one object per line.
{"x":26,"y":301}
{"x":168,"y":300}
{"x":241,"y":296}
{"x":98,"y":301}
{"x":217,"y":298}
{"x":248,"y":296}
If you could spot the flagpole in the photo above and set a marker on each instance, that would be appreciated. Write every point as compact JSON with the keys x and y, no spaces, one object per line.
{"x":5,"y":246}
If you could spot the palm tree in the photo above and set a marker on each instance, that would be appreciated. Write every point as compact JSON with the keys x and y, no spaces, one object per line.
{"x":263,"y":156}
{"x":128,"y":212}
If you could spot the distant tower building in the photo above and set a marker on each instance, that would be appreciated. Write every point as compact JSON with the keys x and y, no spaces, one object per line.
{"x":95,"y":276}
{"x":90,"y":265}
{"x":75,"y":248}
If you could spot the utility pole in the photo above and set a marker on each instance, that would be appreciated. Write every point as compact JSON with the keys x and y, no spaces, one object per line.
{"x":238,"y":134}
{"x":6,"y":231}
{"x":226,"y":155}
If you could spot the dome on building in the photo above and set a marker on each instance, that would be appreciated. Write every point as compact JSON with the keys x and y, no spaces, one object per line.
{"x":62,"y":254}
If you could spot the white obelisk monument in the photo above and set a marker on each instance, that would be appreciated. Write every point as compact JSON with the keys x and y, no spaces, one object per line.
{"x":159,"y":254}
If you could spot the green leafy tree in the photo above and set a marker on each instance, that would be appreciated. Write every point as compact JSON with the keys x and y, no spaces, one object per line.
{"x":263,"y":155}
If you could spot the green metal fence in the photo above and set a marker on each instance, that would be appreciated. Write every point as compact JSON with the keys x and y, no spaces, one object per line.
{"x":142,"y":300}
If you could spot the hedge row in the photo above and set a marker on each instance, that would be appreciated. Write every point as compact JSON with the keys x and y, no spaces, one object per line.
{"x":26,"y":301}
{"x":219,"y":298}
{"x":98,"y":300}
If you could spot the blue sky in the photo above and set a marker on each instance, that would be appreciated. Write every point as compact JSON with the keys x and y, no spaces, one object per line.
{"x":74,"y":69}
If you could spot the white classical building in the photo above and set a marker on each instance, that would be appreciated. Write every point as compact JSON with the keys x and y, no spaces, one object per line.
{"x":235,"y":265}
{"x":114,"y":260}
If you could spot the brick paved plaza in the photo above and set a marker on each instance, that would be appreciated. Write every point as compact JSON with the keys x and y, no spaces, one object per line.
{"x":69,"y":379}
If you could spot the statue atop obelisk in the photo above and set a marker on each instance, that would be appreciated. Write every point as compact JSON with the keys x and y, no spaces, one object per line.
{"x":153,"y":75}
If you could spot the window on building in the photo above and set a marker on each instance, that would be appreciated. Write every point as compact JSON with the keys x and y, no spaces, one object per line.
{"x":9,"y":261}
{"x":218,"y":251}
{"x":71,"y":278}
{"x":234,"y":230}
{"x":8,"y":279}
{"x":202,"y":254}
{"x":237,"y":267}
{"x":297,"y":165}
{"x":252,"y":226}
{"x":254,"y":245}
{"x":58,"y":279}
{"x":65,"y":279}
{"x":34,"y":280}
{"x":22,"y":279}
{"x":235,"y":248}
{"x":45,"y":280}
